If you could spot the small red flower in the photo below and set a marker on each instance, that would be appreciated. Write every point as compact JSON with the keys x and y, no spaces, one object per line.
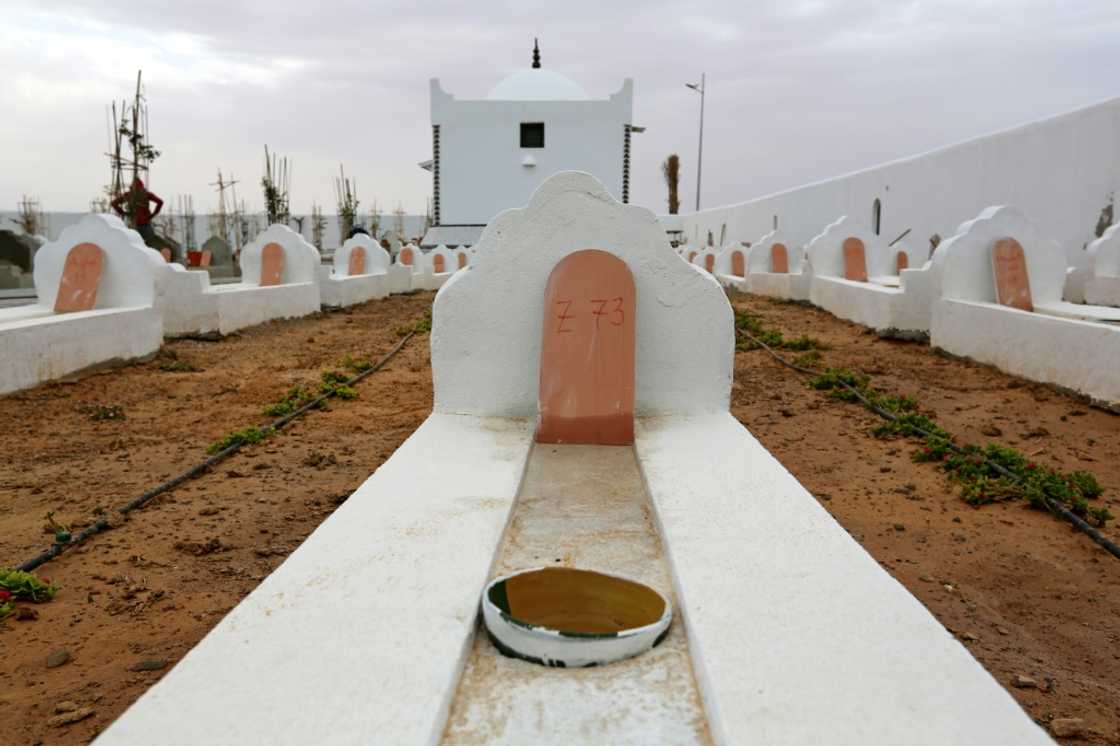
{"x":5,"y":595}
{"x":1030,"y":465}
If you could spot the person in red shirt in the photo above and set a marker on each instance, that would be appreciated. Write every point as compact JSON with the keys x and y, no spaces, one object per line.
{"x":138,"y":199}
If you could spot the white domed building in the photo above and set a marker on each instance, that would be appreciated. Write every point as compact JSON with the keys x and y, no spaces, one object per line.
{"x":489,"y":155}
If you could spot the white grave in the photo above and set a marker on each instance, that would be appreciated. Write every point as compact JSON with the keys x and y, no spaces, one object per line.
{"x":1075,"y":346}
{"x":359,"y":272}
{"x":886,"y":299}
{"x":766,"y":274}
{"x":38,"y":344}
{"x":787,"y":629}
{"x":253,"y":300}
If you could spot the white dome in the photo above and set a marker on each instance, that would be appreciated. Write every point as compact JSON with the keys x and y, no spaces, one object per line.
{"x":536,"y":84}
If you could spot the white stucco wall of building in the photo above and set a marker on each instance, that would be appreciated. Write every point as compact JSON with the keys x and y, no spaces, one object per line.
{"x":1061,"y":171}
{"x":481,"y":169}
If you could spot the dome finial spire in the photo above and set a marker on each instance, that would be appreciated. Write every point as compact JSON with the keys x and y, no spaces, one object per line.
{"x":536,"y":55}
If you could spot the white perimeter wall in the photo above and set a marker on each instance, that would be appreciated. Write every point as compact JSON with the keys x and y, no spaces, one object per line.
{"x":480,"y":153}
{"x":1060,"y":171}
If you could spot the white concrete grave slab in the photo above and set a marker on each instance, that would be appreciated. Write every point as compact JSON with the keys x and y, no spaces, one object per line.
{"x":120,"y":321}
{"x":1102,"y":285}
{"x":1059,"y":342}
{"x":359,"y":272}
{"x":786,"y":632}
{"x":433,"y":268}
{"x":288,"y":289}
{"x":855,"y":276}
{"x":731,"y":266}
{"x":769,"y":275}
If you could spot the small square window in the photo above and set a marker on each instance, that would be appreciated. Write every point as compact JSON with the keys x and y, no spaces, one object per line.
{"x":532,"y":134}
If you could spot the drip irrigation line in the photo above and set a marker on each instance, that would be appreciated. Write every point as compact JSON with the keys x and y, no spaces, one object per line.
{"x":102,"y":524}
{"x":1054,"y":507}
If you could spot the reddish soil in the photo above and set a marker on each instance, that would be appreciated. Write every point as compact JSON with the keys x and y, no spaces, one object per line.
{"x":1027,"y":594}
{"x":150,"y":589}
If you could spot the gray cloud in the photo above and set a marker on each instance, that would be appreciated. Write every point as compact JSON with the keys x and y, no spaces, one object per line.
{"x":798,"y":91}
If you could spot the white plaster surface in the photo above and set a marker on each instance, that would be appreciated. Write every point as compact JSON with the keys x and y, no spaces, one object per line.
{"x":129,"y":277}
{"x":878,"y":304}
{"x":798,"y":637}
{"x":337,"y":287}
{"x":486,"y":332}
{"x":481,"y":169}
{"x":38,"y":345}
{"x":241,"y":305}
{"x":246,"y":303}
{"x":360,"y":635}
{"x":1102,"y":286}
{"x":1079,"y":355}
{"x":186,"y":304}
{"x":792,"y":285}
{"x":934,"y":192}
{"x":301,"y":259}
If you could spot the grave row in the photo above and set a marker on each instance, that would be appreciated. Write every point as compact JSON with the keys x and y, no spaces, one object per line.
{"x":578,"y":323}
{"x":998,"y":292}
{"x":103,"y":296}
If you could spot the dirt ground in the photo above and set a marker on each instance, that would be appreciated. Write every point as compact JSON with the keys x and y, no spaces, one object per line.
{"x":141,"y":595}
{"x":1027,"y":594}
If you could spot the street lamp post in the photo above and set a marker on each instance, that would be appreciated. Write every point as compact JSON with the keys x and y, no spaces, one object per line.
{"x":699,"y":88}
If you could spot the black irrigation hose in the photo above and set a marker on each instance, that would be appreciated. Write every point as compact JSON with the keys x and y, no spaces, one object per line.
{"x":1053,"y":507}
{"x":101,"y":524}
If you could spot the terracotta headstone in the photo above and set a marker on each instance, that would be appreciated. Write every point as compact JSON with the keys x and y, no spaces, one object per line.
{"x":587,"y":352}
{"x":462,"y":260}
{"x":902,"y":261}
{"x":438,"y":263}
{"x":738,"y":267}
{"x":855,"y":261}
{"x":406,"y":257}
{"x":779,"y":259}
{"x":81,"y":273}
{"x":272,"y":265}
{"x":709,"y":262}
{"x":1013,"y":283}
{"x":206,"y":257}
{"x":691,"y":256}
{"x":166,"y":254}
{"x":356,"y":263}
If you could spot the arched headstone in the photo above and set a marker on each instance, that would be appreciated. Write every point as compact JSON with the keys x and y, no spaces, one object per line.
{"x":779,"y":259}
{"x":855,"y":261}
{"x":901,"y":261}
{"x":356,"y":263}
{"x":738,"y":266}
{"x":586,"y":392}
{"x":1009,"y":266}
{"x":438,"y":264}
{"x":406,"y":256}
{"x":272,"y":265}
{"x":462,"y":259}
{"x":709,"y":262}
{"x":81,"y":274}
{"x":220,"y":253}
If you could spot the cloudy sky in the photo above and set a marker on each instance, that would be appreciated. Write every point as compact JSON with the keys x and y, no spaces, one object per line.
{"x":799,"y":90}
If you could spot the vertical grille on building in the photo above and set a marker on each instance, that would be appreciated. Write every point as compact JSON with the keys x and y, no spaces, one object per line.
{"x":435,"y":173}
{"x":626,"y":165}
